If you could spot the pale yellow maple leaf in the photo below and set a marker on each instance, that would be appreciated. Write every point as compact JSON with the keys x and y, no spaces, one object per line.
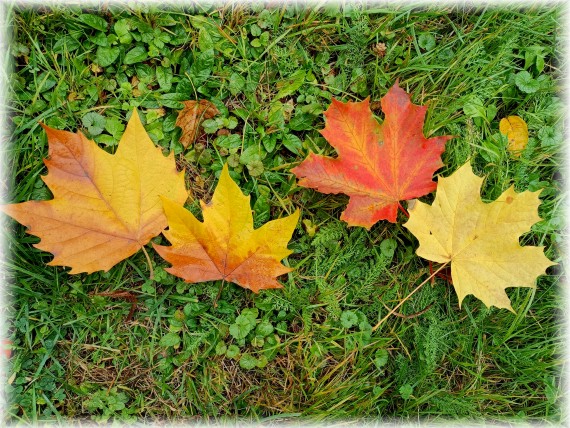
{"x":481,"y":240}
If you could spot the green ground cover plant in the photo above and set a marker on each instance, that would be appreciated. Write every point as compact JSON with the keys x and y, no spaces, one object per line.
{"x":307,"y":351}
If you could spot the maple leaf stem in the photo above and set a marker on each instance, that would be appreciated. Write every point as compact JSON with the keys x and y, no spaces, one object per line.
{"x":401,"y":208}
{"x":219,"y":293}
{"x":408,"y":296}
{"x":151,"y":277}
{"x":127,"y":295}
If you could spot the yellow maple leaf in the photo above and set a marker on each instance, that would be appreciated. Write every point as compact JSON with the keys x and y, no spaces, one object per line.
{"x":481,"y":240}
{"x":516,"y":131}
{"x":105,"y":207}
{"x":226,"y":246}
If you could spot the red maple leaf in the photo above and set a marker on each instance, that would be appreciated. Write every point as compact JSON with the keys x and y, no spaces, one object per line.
{"x":377,"y":165}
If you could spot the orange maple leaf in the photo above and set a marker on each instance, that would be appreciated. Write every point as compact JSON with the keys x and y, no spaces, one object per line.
{"x":226,"y":246}
{"x":105,"y":207}
{"x":377,"y":165}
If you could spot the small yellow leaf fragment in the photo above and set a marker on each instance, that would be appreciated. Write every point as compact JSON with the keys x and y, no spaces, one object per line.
{"x":310,"y":227}
{"x":516,"y":130}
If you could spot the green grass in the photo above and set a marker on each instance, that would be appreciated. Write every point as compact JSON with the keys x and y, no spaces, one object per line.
{"x":77,"y":356}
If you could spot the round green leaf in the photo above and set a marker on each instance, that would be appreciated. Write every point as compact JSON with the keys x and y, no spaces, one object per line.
{"x":122,"y":29}
{"x":136,"y":54}
{"x":248,"y":362}
{"x":232,"y":352}
{"x":381,"y":358}
{"x":241,"y":327}
{"x":210,"y":126}
{"x":550,"y":136}
{"x":233,"y":160}
{"x":348,"y":319}
{"x":387,"y":248}
{"x":255,"y":168}
{"x":94,"y":122}
{"x":106,"y":140}
{"x":426,"y":41}
{"x":164,"y":77}
{"x":65,"y":44}
{"x":406,"y":391}
{"x":236,"y":84}
{"x":262,"y":361}
{"x":257,"y":342}
{"x":264,"y":328}
{"x":107,"y":55}
{"x":221,"y":348}
{"x":526,"y":83}
{"x":93,"y":21}
{"x":269,"y":142}
{"x":255,"y":30}
{"x":170,"y":339}
{"x":292,"y":143}
{"x":114,"y":127}
{"x":232,"y":141}
{"x":302,"y":122}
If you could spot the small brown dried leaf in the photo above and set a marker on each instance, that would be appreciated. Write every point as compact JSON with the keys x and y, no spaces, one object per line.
{"x":379,"y":49}
{"x":190,"y":119}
